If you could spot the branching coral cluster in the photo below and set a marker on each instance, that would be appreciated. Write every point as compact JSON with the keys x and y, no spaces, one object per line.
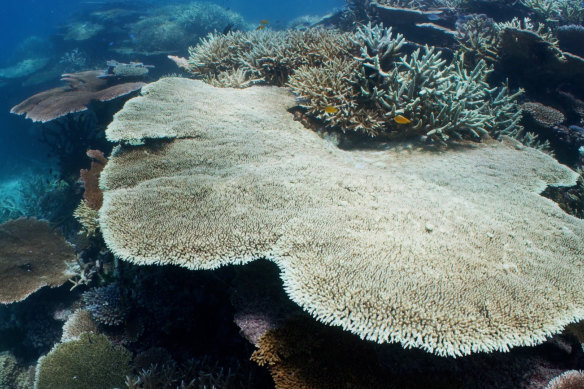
{"x":264,"y":55}
{"x":556,"y":11}
{"x":362,"y":82}
{"x":408,"y":95}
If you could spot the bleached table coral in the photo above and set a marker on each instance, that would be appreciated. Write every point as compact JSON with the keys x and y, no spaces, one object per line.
{"x":453,"y":252}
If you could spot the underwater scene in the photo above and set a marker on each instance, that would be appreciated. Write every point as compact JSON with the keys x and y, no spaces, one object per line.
{"x":295,"y":194}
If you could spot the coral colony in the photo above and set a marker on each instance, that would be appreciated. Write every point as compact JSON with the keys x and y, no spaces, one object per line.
{"x":384,"y":197}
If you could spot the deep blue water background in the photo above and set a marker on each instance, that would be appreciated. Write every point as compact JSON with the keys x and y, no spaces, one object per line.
{"x":19,"y":19}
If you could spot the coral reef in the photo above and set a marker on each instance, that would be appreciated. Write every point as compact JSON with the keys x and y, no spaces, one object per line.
{"x":87,"y":216}
{"x":174,"y":27}
{"x":81,"y":31}
{"x":24,"y":68}
{"x":195,"y":374}
{"x":478,"y":37}
{"x":556,"y":12}
{"x":78,"y":323}
{"x":571,"y":379}
{"x":82,"y":88}
{"x":420,"y":22}
{"x":258,"y":297}
{"x":449,"y":279}
{"x":264,"y":55}
{"x":90,"y":362}
{"x":439,"y":100}
{"x":106,"y":304}
{"x":74,"y":60}
{"x":127,"y":70}
{"x":32,"y":256}
{"x":92,"y":193}
{"x":521,"y":43}
{"x":570,"y":39}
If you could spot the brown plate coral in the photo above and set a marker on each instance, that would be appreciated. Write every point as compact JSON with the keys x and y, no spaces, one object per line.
{"x":32,"y":255}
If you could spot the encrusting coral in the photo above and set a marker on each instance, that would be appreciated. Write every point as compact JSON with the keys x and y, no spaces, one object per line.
{"x":32,"y":255}
{"x":174,"y":27}
{"x":90,"y":362}
{"x":453,"y":252}
{"x":542,"y":114}
{"x":13,"y":376}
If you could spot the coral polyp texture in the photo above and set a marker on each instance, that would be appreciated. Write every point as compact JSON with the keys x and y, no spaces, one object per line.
{"x":32,"y":255}
{"x":451,"y":251}
{"x":89,"y":362}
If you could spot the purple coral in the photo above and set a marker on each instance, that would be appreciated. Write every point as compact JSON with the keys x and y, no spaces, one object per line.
{"x":107,"y":305}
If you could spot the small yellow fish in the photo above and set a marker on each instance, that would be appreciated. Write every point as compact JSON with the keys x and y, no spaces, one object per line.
{"x":261,"y":27}
{"x":331,"y":109}
{"x":399,"y":119}
{"x":264,"y":21}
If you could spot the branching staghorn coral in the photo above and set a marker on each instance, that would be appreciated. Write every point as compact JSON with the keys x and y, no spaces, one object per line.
{"x":479,"y":38}
{"x":557,"y":11}
{"x":412,"y":95}
{"x":548,"y":10}
{"x":237,"y":78}
{"x":88,"y":218}
{"x":264,"y":55}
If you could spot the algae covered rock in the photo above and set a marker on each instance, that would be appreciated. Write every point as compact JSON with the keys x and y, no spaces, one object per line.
{"x":91,"y":362}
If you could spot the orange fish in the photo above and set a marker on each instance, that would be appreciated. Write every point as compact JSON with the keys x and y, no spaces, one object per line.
{"x":399,"y":119}
{"x":331,"y":109}
{"x":264,"y":21}
{"x":261,"y":27}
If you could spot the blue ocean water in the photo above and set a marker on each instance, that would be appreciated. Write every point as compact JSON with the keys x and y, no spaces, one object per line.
{"x":41,"y":19}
